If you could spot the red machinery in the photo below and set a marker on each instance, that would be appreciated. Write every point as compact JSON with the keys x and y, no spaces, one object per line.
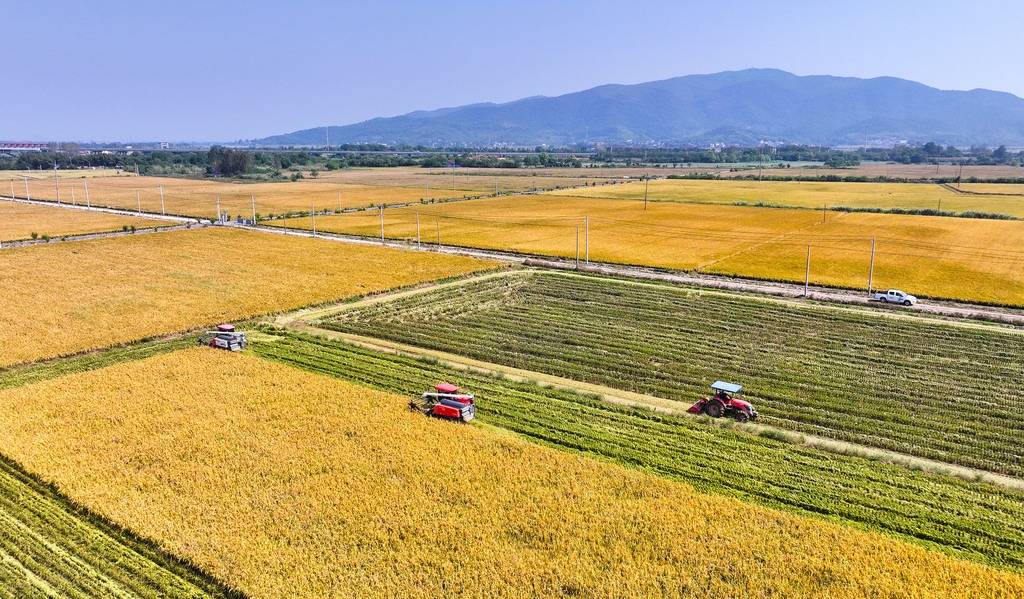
{"x":446,"y":402}
{"x":725,"y":402}
{"x":225,"y":337}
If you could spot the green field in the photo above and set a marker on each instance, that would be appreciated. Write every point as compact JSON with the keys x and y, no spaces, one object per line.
{"x":919,"y":387}
{"x":974,"y":521}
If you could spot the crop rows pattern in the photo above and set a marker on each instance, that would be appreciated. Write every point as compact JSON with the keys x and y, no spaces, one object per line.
{"x":969,"y":520}
{"x":933,"y":390}
{"x":50,"y":547}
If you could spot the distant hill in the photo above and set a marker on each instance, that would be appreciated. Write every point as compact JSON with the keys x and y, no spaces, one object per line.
{"x":734,"y":107}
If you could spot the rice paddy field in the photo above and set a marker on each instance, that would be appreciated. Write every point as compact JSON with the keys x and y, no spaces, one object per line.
{"x":18,"y":221}
{"x":285,"y":483}
{"x":198,"y":198}
{"x":812,"y":194}
{"x":331,"y":190}
{"x":900,"y":384}
{"x":958,"y":258}
{"x":62,"y":298}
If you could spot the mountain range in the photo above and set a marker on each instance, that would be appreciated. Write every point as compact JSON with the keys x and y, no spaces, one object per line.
{"x":734,"y":107}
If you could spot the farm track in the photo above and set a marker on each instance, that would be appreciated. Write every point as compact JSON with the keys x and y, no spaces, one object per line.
{"x":975,"y":521}
{"x":839,"y":374}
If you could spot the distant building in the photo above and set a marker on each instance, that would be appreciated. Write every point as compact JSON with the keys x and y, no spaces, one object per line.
{"x":11,"y":147}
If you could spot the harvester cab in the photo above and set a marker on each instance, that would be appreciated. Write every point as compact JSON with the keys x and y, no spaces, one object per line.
{"x":225,"y":337}
{"x":727,"y":400}
{"x":446,"y":402}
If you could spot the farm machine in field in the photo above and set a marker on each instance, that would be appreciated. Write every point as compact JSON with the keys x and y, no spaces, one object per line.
{"x":225,"y":337}
{"x":447,"y":403}
{"x":726,"y":401}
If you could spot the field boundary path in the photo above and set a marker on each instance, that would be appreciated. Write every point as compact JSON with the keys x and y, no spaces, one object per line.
{"x":117,"y":211}
{"x":946,"y":308}
{"x":301,"y":321}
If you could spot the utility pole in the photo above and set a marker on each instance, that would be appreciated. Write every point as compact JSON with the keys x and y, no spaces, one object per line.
{"x":418,"y":246}
{"x":340,"y":209}
{"x":495,"y":186}
{"x":28,"y":196}
{"x":162,"y":211}
{"x":88,"y":204}
{"x":138,"y":200}
{"x":56,"y":180}
{"x":73,"y":195}
{"x":382,"y":223}
{"x":940,"y":205}
{"x":136,"y":170}
{"x":807,"y":272}
{"x":12,"y":189}
{"x":586,"y":221}
{"x":252,"y":198}
{"x":328,"y":137}
{"x":218,"y":210}
{"x":453,"y":176}
{"x":871,"y":269}
{"x":577,"y":248}
{"x":824,"y":207}
{"x":437,"y":223}
{"x":312,"y":214}
{"x":647,"y":183}
{"x":961,"y":175}
{"x":428,"y":191}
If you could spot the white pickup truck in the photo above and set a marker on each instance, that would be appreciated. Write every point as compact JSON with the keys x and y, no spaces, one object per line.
{"x":895,"y":296}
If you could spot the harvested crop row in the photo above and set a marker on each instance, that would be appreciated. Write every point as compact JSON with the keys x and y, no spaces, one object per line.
{"x":49,"y":547}
{"x":284,"y":483}
{"x":969,"y":520}
{"x":934,"y":390}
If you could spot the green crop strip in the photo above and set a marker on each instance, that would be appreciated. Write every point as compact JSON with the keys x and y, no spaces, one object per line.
{"x":969,"y":520}
{"x":922,"y":388}
{"x":51,"y":547}
{"x":35,"y":373}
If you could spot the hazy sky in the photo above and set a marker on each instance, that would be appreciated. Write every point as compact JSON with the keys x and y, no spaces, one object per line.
{"x":221,"y":71}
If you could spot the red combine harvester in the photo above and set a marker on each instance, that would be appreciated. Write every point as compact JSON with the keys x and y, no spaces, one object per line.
{"x":725,"y":402}
{"x":446,"y":402}
{"x":225,"y":337}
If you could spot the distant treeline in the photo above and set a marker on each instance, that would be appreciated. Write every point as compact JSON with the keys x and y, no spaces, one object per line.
{"x":219,"y":161}
{"x":234,"y":163}
{"x":928,"y":153}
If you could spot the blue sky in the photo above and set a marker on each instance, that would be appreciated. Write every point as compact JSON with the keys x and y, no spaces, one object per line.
{"x":220,"y":71}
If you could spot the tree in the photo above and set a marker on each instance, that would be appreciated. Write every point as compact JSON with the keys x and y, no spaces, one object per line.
{"x":225,"y":161}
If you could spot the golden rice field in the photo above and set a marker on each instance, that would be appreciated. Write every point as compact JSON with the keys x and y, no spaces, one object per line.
{"x":198,"y":198}
{"x":970,"y":259}
{"x":67,"y":297}
{"x":287,"y":484}
{"x":807,"y":194}
{"x":999,"y":188}
{"x":475,"y":181}
{"x":18,"y":221}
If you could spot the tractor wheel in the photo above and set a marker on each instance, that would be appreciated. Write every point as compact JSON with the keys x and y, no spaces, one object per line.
{"x":714,"y":409}
{"x":742,"y":417}
{"x":906,"y":302}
